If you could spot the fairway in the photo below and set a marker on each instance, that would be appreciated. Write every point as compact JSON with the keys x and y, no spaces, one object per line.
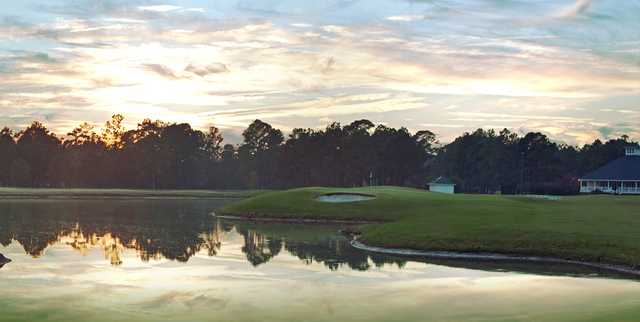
{"x":594,"y":228}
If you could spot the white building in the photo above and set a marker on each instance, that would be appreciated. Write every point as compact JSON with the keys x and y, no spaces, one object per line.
{"x":443,"y":185}
{"x":621,"y":176}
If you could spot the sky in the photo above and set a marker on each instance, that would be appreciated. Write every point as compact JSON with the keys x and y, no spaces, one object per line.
{"x":567,"y":68}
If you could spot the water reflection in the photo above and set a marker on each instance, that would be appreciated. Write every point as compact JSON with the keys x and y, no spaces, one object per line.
{"x":3,"y":260}
{"x":166,"y":229}
{"x":320,"y":244}
{"x":177,"y":230}
{"x":155,"y":229}
{"x":241,"y":271}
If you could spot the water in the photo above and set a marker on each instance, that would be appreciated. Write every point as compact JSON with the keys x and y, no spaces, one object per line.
{"x":153,"y":260}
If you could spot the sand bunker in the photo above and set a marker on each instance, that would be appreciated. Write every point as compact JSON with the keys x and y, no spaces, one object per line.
{"x":345,"y":197}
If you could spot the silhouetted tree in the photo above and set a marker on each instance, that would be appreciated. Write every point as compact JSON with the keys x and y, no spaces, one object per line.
{"x":259,"y":153}
{"x":37,"y":147}
{"x":20,"y":173}
{"x":162,"y":155}
{"x":8,"y":153}
{"x":213,"y":143}
{"x":84,"y":159}
{"x":113,"y":132}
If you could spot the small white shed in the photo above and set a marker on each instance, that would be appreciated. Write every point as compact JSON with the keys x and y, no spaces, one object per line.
{"x":443,"y":185}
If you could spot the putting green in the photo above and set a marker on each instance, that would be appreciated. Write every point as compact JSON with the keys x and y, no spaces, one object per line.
{"x":602,"y":229}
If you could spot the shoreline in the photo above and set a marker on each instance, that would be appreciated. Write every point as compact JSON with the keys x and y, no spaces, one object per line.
{"x":114,"y":197}
{"x":99,"y":194}
{"x":576,"y":230}
{"x":474,"y":256}
{"x":297,"y":220}
{"x":495,"y":257}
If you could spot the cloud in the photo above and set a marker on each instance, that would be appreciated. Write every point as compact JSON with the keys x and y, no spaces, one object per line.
{"x":406,"y":18}
{"x":336,"y":29}
{"x":159,"y":8}
{"x":215,"y":68}
{"x":24,"y":57}
{"x":88,"y":8}
{"x":161,"y":70}
{"x":296,"y":62}
{"x":301,"y":25}
{"x":121,"y":11}
{"x":200,"y":10}
{"x":202,"y":71}
{"x":437,"y":125}
{"x":578,"y":8}
{"x":606,"y":132}
{"x":326,"y":65}
{"x":510,"y":117}
{"x":367,"y":103}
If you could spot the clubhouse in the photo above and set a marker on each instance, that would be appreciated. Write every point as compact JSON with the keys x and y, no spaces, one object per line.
{"x":621,"y":176}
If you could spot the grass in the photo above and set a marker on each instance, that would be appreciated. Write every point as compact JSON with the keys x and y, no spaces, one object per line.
{"x":123,"y":193}
{"x":603,"y":229}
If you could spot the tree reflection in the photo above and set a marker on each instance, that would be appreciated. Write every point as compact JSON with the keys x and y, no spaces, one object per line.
{"x":310,"y":243}
{"x":156,"y":229}
{"x":259,"y":248}
{"x":3,"y":260}
{"x":167,"y":229}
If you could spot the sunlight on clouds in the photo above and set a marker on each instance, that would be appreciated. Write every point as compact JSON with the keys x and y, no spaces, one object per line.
{"x":324,"y":107}
{"x":301,"y":25}
{"x":159,"y":8}
{"x":228,"y":65}
{"x":200,"y":10}
{"x":407,"y":18}
{"x":436,"y":125}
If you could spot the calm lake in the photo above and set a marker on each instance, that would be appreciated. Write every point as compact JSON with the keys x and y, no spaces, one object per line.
{"x":152,"y":260}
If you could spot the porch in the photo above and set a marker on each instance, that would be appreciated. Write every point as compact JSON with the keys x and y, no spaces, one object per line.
{"x":610,"y":186}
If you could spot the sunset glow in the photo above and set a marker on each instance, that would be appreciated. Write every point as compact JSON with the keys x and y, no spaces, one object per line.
{"x":567,"y":68}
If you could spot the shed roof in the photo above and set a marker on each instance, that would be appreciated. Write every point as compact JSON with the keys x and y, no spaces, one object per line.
{"x":442,"y":180}
{"x":624,"y":168}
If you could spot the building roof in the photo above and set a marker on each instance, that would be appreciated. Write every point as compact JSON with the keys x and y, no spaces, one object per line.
{"x":624,"y":168}
{"x":442,"y":180}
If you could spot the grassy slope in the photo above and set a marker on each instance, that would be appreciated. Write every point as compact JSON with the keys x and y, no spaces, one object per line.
{"x":123,"y":193}
{"x":592,"y":228}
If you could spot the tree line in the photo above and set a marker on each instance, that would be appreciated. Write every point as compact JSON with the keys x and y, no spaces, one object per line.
{"x":160,"y":155}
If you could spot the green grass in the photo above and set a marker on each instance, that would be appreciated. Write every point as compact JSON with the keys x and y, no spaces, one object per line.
{"x":123,"y":193}
{"x":589,"y":228}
